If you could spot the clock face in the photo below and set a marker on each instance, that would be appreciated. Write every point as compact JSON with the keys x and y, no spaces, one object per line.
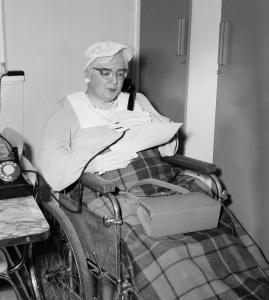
{"x":9,"y":171}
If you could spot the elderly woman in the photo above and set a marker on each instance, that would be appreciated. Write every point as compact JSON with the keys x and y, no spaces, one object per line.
{"x":82,"y":127}
{"x":84,"y":123}
{"x":85,"y":132}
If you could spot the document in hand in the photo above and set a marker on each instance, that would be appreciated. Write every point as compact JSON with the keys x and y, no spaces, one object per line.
{"x":147,"y":136}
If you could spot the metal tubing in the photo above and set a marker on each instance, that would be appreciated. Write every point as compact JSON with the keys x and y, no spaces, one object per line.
{"x":117,"y":224}
{"x":221,"y":193}
{"x":14,"y":270}
{"x":11,"y":282}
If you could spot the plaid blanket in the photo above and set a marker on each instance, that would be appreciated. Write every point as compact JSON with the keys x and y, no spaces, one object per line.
{"x":205,"y":265}
{"x":150,"y":165}
{"x":210,"y":264}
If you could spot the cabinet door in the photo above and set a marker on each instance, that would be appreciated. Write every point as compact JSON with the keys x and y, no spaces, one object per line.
{"x":241,"y":133}
{"x":238,"y":123}
{"x":162,"y":70}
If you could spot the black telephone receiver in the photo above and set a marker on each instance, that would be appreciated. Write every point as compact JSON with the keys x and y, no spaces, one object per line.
{"x":12,"y":183}
{"x":129,"y":88}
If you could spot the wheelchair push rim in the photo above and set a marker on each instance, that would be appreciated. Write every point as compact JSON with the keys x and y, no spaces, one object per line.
{"x":59,"y":263}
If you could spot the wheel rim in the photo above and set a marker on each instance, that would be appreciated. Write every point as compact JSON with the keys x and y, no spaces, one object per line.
{"x":56,"y":267}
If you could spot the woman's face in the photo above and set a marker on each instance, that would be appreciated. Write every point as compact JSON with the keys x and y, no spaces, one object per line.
{"x":106,"y":89}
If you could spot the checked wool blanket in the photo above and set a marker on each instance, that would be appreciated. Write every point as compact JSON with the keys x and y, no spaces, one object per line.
{"x":211,"y":264}
{"x":222,"y":263}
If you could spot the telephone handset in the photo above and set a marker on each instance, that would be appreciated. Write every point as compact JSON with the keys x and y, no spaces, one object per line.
{"x":129,"y":88}
{"x":12,"y":183}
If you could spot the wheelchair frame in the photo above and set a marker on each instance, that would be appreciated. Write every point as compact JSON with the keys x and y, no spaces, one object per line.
{"x":125,"y":288}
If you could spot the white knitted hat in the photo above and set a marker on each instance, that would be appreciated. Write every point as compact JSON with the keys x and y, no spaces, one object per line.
{"x":106,"y":49}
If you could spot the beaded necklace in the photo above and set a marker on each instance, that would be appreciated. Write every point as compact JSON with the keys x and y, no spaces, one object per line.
{"x":103,"y":106}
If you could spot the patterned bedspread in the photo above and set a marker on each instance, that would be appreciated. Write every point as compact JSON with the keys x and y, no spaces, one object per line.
{"x":205,"y":265}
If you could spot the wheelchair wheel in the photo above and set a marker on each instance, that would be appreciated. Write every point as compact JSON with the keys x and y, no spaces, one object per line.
{"x":59,"y":263}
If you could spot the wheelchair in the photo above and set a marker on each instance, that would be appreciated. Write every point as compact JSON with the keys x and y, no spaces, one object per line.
{"x":102,"y":256}
{"x":66,"y":267}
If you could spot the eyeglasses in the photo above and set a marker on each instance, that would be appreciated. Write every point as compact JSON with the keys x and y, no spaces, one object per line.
{"x":107,"y":73}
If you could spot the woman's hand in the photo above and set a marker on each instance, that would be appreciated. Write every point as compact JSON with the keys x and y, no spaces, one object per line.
{"x":126,"y":119}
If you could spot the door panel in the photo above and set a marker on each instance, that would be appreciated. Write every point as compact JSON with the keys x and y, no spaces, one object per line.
{"x":241,"y":133}
{"x":162,"y":73}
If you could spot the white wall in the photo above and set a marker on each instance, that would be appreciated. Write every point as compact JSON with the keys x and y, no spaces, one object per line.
{"x":47,"y":39}
{"x":12,"y":103}
{"x":202,"y":79}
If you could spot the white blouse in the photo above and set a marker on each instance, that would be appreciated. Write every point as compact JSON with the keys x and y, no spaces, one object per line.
{"x":75,"y":131}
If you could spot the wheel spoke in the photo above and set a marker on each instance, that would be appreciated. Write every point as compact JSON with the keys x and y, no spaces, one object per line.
{"x":59,"y":273}
{"x":59,"y":263}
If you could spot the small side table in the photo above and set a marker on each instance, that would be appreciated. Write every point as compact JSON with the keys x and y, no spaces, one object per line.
{"x":21,"y":223}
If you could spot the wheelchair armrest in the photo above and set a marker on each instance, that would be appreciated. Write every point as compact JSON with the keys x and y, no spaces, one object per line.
{"x":191,"y":164}
{"x":97,"y":183}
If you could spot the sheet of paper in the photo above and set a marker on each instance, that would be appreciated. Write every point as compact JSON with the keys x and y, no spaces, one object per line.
{"x":147,"y":136}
